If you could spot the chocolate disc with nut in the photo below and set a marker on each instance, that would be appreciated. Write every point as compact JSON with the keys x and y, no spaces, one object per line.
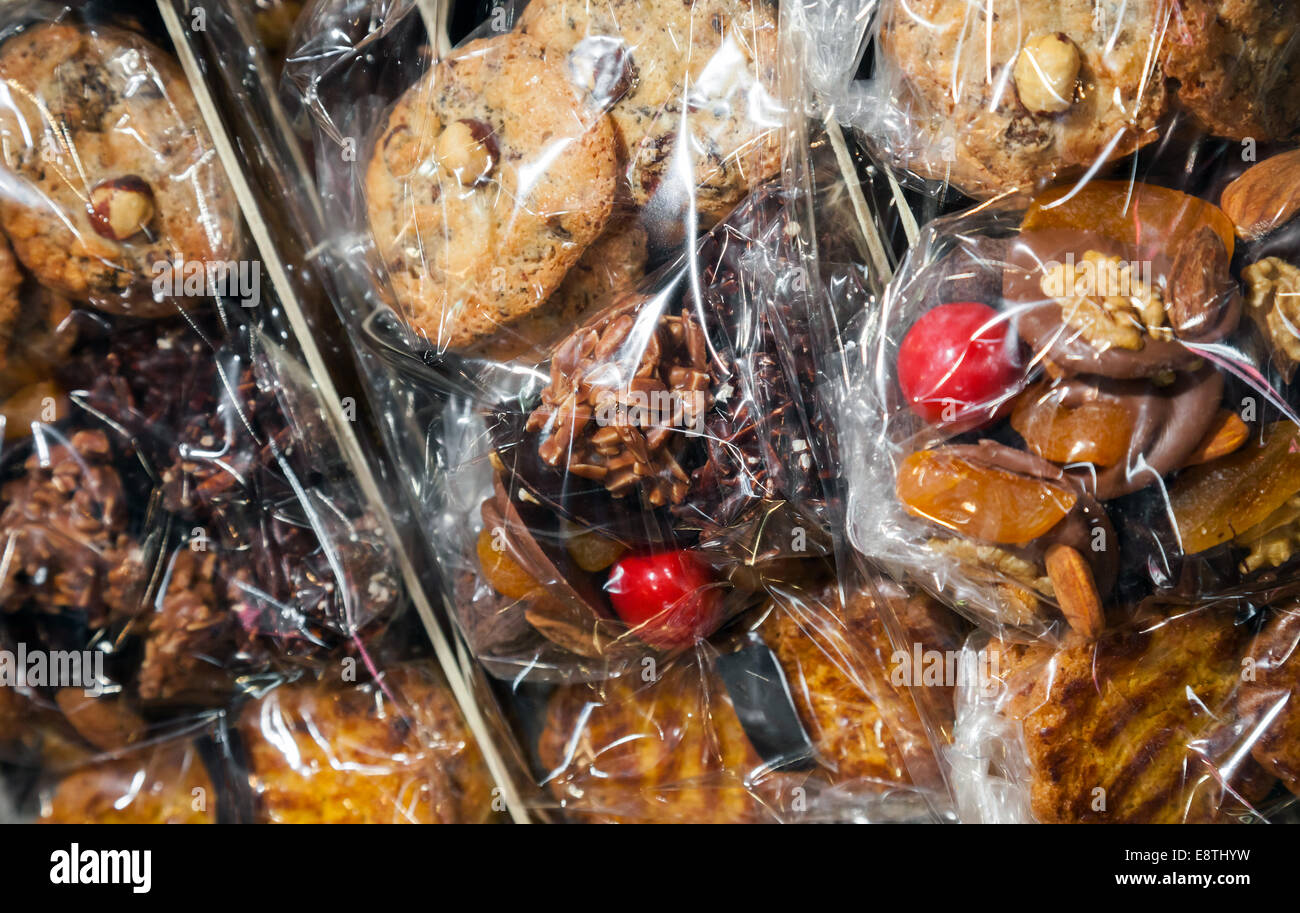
{"x":1119,"y":436}
{"x":1087,"y":304}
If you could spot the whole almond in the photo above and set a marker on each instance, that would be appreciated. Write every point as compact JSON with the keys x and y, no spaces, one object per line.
{"x":1225,"y":436}
{"x":1266,"y":197}
{"x":1200,"y":284}
{"x":1076,"y":591}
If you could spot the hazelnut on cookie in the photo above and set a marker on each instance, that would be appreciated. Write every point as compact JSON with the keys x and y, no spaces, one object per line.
{"x":690,"y":87}
{"x":486,"y":184}
{"x":108,"y":169}
{"x":1002,"y":97}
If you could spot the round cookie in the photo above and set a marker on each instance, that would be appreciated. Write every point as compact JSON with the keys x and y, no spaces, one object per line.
{"x":109,"y":169}
{"x":614,"y":262}
{"x":1237,"y":65}
{"x":646,"y":62}
{"x":1045,"y":87}
{"x":486,"y":184}
{"x":11,"y":281}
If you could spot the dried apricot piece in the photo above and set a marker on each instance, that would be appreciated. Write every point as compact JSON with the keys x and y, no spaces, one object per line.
{"x":593,"y":552}
{"x":1095,"y":432}
{"x":981,"y":502}
{"x":1216,"y":501}
{"x":1147,"y":216}
{"x":503,"y":572}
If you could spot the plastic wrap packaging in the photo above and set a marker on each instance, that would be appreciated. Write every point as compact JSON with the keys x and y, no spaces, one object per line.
{"x":624,"y":483}
{"x":1180,"y":717}
{"x":568,"y":235}
{"x":800,"y":722}
{"x":1070,"y":413}
{"x":179,"y":531}
{"x":997,"y":97}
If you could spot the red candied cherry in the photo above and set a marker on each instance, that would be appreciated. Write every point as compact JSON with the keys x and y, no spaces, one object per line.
{"x":958,"y":364}
{"x":669,"y":598}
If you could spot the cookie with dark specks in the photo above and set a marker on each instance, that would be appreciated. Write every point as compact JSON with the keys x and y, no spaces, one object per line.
{"x":11,"y":281}
{"x":487,"y":183}
{"x":615,"y":262}
{"x":1137,"y":726}
{"x":1003,"y":96}
{"x":708,"y":66}
{"x":109,"y":168}
{"x":1237,"y":66}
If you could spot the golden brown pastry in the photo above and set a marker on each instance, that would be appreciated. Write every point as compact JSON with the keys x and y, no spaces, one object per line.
{"x":344,"y":753}
{"x":161,"y":785}
{"x":864,"y":724}
{"x":669,"y":751}
{"x":674,"y":750}
{"x":1135,"y":727}
{"x":1271,"y":692}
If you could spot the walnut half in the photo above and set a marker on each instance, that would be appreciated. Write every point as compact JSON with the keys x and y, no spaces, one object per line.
{"x":1274,"y":299}
{"x":1105,"y":300}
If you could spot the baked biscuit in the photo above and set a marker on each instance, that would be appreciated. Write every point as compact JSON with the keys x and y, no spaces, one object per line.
{"x":486,"y":184}
{"x":11,"y":281}
{"x":1237,"y":66}
{"x":706,"y":65}
{"x":669,"y":751}
{"x":1271,"y":692}
{"x":165,"y":784}
{"x":1007,"y":95}
{"x":345,"y":754}
{"x":1135,"y":727}
{"x":850,"y":690}
{"x":675,"y":750}
{"x":615,"y":261}
{"x":110,"y":169}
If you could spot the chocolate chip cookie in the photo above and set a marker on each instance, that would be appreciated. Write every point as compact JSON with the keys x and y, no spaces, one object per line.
{"x":486,"y":184}
{"x":1237,"y":66}
{"x":704,"y":66}
{"x":109,"y":169}
{"x":11,"y":281}
{"x":614,"y":262}
{"x":1004,"y":96}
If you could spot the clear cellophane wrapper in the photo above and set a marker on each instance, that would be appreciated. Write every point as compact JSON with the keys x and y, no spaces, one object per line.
{"x":182,"y":537}
{"x":567,"y":459}
{"x":1093,"y":469}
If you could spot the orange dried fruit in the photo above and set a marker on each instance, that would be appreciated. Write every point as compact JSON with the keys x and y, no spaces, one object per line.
{"x":1093,"y":432}
{"x":1216,"y":501}
{"x":504,"y":574}
{"x":1144,"y":215}
{"x":593,"y":552}
{"x":981,"y":502}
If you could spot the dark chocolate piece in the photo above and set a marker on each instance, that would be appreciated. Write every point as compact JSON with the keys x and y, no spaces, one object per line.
{"x":761,"y":696}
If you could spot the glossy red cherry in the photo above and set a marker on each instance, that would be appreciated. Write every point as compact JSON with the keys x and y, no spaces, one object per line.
{"x":669,"y":599}
{"x":958,"y":364}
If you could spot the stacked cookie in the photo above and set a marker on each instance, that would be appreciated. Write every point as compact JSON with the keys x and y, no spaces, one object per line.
{"x":514,"y":188}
